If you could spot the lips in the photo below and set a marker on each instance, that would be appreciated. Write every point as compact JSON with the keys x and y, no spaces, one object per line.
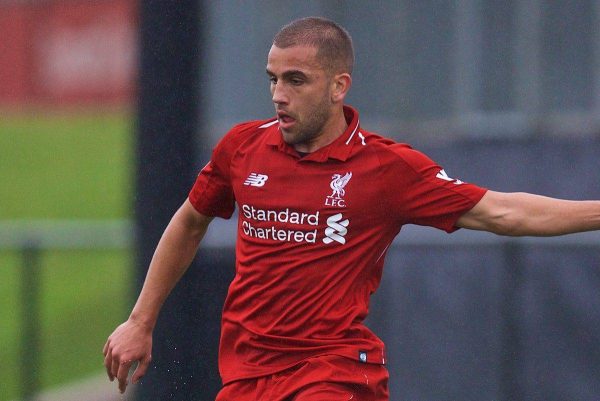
{"x":285,"y":120}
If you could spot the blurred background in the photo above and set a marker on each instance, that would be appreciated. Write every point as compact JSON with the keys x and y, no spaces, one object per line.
{"x":109,"y":108}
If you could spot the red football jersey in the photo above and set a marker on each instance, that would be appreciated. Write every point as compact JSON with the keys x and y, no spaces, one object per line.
{"x":313,"y":232}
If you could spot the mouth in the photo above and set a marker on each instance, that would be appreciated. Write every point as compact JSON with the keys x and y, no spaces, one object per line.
{"x":285,"y":120}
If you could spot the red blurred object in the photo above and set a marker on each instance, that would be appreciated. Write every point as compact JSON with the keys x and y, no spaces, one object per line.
{"x":67,"y":53}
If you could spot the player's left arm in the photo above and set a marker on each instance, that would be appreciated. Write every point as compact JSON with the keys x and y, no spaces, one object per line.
{"x":519,"y":214}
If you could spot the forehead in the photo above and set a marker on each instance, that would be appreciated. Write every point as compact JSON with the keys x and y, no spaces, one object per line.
{"x":302,"y":58}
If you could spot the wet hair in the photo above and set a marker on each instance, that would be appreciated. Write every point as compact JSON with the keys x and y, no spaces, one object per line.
{"x":333,"y":43}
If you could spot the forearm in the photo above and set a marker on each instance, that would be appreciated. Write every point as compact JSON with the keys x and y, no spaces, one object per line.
{"x":521,"y":214}
{"x":173,"y":255}
{"x":543,"y":216}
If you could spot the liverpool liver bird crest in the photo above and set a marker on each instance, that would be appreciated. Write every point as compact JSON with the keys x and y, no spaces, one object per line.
{"x":338,"y":183}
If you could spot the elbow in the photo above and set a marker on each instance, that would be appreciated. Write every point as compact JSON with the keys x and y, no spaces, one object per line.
{"x":504,"y":214}
{"x":508,"y":225}
{"x":521,"y":226}
{"x":519,"y":214}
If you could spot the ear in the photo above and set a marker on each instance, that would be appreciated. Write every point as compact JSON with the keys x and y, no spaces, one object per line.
{"x":341,"y":84}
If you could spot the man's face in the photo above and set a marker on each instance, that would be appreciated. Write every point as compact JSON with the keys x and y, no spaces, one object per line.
{"x":301,"y":91}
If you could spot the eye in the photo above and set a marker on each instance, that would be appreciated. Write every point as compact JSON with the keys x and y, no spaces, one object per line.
{"x":272,"y":80}
{"x":296,"y":81}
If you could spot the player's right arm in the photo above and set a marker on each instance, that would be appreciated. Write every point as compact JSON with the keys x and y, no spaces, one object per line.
{"x":132,"y":341}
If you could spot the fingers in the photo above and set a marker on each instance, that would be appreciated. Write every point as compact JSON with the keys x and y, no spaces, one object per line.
{"x":111,"y":362}
{"x":114,"y":367}
{"x":130,"y":343}
{"x":123,"y":372}
{"x":108,"y":364}
{"x":141,"y":369}
{"x":118,"y":367}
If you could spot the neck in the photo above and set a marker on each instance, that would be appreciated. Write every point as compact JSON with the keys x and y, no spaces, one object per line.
{"x":332,"y":130}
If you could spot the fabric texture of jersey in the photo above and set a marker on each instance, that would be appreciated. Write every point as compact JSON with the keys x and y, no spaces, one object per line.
{"x":329,"y":377}
{"x":312,"y":236}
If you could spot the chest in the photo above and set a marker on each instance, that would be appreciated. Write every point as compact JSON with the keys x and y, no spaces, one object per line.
{"x":281,"y":182}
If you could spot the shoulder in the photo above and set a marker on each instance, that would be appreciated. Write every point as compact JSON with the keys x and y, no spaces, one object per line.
{"x":391,"y":152}
{"x":242,"y":132}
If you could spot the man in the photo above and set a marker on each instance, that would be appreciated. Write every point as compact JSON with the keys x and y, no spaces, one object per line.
{"x":320,"y":200}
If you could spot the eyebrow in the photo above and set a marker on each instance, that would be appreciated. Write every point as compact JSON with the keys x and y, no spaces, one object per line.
{"x":289,"y":74}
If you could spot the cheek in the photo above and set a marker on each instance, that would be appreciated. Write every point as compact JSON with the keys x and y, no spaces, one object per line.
{"x":317,"y":98}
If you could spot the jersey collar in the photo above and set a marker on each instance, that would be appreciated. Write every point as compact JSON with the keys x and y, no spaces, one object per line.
{"x":339,"y":149}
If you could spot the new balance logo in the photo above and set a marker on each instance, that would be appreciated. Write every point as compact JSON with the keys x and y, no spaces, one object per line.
{"x":336,"y":230}
{"x":256,"y":180}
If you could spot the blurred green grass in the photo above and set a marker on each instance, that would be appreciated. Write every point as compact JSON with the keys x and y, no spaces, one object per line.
{"x":65,"y":166}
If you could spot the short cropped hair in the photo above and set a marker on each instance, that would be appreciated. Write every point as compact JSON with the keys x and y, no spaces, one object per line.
{"x":333,"y":43}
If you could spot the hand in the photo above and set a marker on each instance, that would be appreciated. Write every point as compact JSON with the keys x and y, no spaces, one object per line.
{"x":130,"y":342}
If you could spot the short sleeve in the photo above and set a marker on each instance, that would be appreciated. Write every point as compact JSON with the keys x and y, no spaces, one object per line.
{"x":212,"y":193}
{"x":428,"y":196}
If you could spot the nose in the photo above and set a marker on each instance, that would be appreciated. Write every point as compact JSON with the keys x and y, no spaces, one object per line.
{"x":278,"y":94}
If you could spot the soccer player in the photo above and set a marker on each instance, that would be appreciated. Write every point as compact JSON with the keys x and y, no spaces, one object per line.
{"x":320,"y":199}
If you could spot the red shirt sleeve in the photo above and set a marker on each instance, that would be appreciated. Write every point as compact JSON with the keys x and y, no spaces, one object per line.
{"x":427,"y":195}
{"x":212,"y":193}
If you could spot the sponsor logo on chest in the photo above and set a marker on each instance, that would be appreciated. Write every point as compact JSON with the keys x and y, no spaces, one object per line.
{"x":336,"y":229}
{"x":283,"y":223}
